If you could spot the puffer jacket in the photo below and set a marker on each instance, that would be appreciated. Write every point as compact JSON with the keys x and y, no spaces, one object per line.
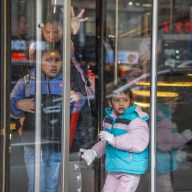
{"x":51,"y":104}
{"x":54,"y":86}
{"x":128,"y":153}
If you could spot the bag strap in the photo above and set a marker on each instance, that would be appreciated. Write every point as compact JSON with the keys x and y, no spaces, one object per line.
{"x":27,"y":85}
{"x":88,"y":90}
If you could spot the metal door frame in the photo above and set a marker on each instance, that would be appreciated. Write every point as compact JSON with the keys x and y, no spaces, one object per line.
{"x":153,"y":83}
{"x":5,"y":92}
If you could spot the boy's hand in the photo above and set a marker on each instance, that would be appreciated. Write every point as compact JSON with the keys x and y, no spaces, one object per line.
{"x":105,"y":136}
{"x":26,"y":105}
{"x":20,"y":130}
{"x":75,"y":21}
{"x":89,"y":155}
{"x":75,"y":97}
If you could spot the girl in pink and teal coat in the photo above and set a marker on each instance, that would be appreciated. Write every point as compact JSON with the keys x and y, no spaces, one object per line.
{"x":124,"y":140}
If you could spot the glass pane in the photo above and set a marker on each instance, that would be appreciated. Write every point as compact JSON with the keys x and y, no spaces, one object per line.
{"x":22,"y":33}
{"x":32,"y":51}
{"x":126,"y":63}
{"x":26,"y":49}
{"x":84,"y":121}
{"x":132,"y":21}
{"x":174,"y":97}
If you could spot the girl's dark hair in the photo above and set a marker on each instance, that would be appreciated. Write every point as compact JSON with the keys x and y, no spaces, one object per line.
{"x":128,"y":92}
{"x":117,"y":89}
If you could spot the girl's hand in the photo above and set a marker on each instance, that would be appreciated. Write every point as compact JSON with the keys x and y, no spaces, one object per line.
{"x":105,"y":136}
{"x":26,"y":105}
{"x":75,"y":21}
{"x":88,"y":155}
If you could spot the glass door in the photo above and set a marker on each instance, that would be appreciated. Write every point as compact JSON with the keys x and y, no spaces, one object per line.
{"x":126,"y":42}
{"x":145,"y":46}
{"x":52,"y":107}
{"x":40,"y":96}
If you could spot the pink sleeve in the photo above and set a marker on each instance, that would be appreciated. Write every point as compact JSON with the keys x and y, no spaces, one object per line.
{"x":137,"y":138}
{"x":166,"y":139}
{"x":100,"y":148}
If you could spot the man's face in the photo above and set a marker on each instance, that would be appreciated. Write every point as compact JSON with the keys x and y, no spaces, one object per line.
{"x":23,"y":25}
{"x":120,"y":102}
{"x":51,"y":63}
{"x":52,"y":32}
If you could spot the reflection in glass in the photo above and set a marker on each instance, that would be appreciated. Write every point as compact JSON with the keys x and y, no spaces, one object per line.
{"x":173,"y":113}
{"x":169,"y":141}
{"x":82,"y":128}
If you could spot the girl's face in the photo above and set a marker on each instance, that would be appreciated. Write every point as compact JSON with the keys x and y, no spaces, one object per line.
{"x":52,"y":32}
{"x":120,"y":102}
{"x":51,"y":63}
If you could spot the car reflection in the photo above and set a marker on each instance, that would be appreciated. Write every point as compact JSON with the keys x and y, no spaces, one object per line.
{"x":178,"y":78}
{"x":185,"y":64}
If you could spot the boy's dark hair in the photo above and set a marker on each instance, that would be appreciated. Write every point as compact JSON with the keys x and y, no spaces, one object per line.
{"x":50,"y":47}
{"x":45,"y":46}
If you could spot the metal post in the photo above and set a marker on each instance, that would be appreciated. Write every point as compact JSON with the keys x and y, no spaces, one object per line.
{"x":154,"y":94}
{"x":37,"y":186}
{"x":4,"y":114}
{"x":66,"y":95}
{"x":116,"y":41}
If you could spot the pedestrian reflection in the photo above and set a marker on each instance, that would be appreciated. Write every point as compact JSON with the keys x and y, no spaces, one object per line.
{"x":169,"y":141}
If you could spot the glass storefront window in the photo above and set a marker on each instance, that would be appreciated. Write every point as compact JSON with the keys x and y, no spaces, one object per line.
{"x":109,"y":51}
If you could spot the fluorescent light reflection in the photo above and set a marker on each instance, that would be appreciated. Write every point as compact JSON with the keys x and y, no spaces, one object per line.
{"x":161,"y":83}
{"x":142,"y":104}
{"x":159,"y":93}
